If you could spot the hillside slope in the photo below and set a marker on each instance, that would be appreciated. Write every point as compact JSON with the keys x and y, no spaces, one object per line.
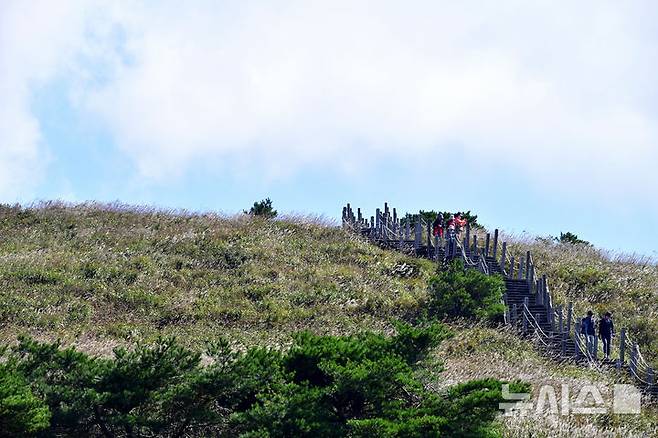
{"x":101,"y":275}
{"x":98,"y":275}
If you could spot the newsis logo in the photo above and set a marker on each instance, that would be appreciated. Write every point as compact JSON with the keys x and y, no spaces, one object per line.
{"x":584,"y":401}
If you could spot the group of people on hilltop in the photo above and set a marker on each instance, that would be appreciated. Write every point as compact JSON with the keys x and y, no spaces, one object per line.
{"x":606,"y":332}
{"x":454,"y":225}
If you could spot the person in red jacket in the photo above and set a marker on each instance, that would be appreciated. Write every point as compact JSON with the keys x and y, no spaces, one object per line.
{"x":437,"y":225}
{"x":460,"y":223}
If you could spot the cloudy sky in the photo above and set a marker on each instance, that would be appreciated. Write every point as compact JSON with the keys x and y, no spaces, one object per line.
{"x":539,"y":116}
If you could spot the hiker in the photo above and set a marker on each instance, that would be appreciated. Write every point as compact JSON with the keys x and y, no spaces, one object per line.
{"x":437,"y":225}
{"x":606,"y":332}
{"x":587,"y":328}
{"x":460,"y":222}
{"x":451,"y":226}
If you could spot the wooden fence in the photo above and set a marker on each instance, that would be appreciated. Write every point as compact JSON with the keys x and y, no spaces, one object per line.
{"x":530,"y":307}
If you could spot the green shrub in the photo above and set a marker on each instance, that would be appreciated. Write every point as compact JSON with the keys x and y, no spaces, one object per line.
{"x":321,"y":386}
{"x":21,"y":412}
{"x":571,"y":239}
{"x":466,"y":293}
{"x":263,"y":209}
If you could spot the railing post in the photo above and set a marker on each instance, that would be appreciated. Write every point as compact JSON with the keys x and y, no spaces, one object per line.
{"x":560,"y":318}
{"x":569,"y":316}
{"x":395,"y":216}
{"x":529,"y":274}
{"x":495,"y":244}
{"x":407,"y":226}
{"x":378,"y":223}
{"x":622,"y":346}
{"x":576,"y":338}
{"x":633,"y":362}
{"x":549,"y":315}
{"x":503,"y":256}
{"x":475,"y":245}
{"x":486,"y":245}
{"x":563,"y":342}
{"x":537,"y":318}
{"x":520,"y":274}
{"x":527,"y":265}
{"x":418,"y":232}
{"x":510,"y":274}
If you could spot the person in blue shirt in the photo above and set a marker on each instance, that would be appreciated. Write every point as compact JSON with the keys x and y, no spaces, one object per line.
{"x":589,"y":330}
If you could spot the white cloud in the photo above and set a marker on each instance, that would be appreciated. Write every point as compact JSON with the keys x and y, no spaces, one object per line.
{"x":562,"y":92}
{"x":37,"y":41}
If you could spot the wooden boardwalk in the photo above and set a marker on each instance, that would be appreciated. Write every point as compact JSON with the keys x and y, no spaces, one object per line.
{"x":530,"y":308}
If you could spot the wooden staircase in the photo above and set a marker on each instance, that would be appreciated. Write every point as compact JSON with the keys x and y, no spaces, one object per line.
{"x":529,"y":304}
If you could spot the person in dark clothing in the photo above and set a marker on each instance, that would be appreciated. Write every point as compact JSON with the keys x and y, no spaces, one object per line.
{"x":587,"y":328}
{"x":606,"y":332}
{"x":437,"y":225}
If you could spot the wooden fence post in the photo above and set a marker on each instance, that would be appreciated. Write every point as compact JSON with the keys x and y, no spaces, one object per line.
{"x":407,"y":230}
{"x":468,"y":236}
{"x":569,"y":316}
{"x":560,"y":318}
{"x":486,"y":245}
{"x":549,"y":315}
{"x":510,"y":274}
{"x":378,"y":223}
{"x":527,"y":265}
{"x":395,"y":216}
{"x":576,"y":337}
{"x":520,"y":274}
{"x":417,"y":233}
{"x":495,"y":244}
{"x":475,"y":245}
{"x":503,"y":257}
{"x":622,"y":346}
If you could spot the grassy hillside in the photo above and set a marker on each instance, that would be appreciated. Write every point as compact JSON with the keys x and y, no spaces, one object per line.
{"x":99,"y":275}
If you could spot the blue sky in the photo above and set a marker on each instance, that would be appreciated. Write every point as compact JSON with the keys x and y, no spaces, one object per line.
{"x":538,"y":117}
